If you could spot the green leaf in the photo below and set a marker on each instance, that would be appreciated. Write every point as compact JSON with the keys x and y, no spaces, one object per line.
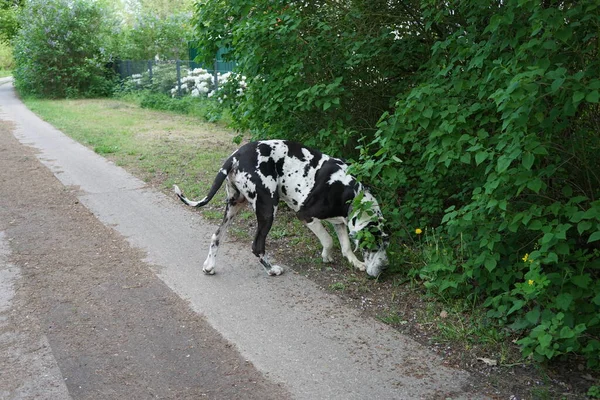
{"x":503,"y":164}
{"x":557,"y":84}
{"x":535,"y":225}
{"x":583,"y":226}
{"x":480,"y":157}
{"x":490,"y":263}
{"x":593,"y":97}
{"x":535,"y":185}
{"x":533,"y":316}
{"x":566,"y":333}
{"x":545,"y":340}
{"x":528,"y":160}
{"x":517,"y":305}
{"x":552,"y":258}
{"x":578,"y":96}
{"x":594,"y":237}
{"x":564,"y":300}
{"x":582,"y":281}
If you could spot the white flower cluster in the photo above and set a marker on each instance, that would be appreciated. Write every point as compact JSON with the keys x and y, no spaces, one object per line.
{"x":136,"y":79}
{"x":199,"y":82}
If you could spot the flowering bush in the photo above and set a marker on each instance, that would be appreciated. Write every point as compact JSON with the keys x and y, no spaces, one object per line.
{"x":232,"y":87}
{"x":197,"y":82}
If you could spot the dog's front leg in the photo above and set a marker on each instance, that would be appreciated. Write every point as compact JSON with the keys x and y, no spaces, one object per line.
{"x":342,"y":234}
{"x":316,"y":226}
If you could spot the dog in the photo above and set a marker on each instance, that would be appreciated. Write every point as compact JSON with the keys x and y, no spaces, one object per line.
{"x":316,"y":186}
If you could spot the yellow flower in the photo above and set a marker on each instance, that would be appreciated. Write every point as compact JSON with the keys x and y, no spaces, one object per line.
{"x":418,"y":231}
{"x":526,"y":257}
{"x":530,"y":282}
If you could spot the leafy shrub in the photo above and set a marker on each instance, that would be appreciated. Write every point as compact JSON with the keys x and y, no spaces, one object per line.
{"x":156,"y":77}
{"x":160,"y":101}
{"x":498,"y":142}
{"x":62,"y":48}
{"x":318,"y":73}
{"x":493,"y":110}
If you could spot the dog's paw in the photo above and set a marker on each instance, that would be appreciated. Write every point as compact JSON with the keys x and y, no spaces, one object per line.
{"x":208,"y":269}
{"x":177,"y":190}
{"x":327,"y":258}
{"x":275,"y":270}
{"x":361,"y":266}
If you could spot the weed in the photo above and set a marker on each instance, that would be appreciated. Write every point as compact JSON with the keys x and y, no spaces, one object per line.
{"x":339,"y":286}
{"x":392,"y":318}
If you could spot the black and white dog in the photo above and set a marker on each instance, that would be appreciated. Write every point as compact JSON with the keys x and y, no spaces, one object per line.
{"x":317,"y":187}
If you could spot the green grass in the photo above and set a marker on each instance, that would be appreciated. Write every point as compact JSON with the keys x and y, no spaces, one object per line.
{"x":157,"y":146}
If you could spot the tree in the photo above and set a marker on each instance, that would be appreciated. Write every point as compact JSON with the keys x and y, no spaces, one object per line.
{"x":8,"y":20}
{"x":62,"y":48}
{"x":149,"y":35}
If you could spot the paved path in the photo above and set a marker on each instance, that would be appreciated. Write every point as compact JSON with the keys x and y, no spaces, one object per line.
{"x":295,"y":334}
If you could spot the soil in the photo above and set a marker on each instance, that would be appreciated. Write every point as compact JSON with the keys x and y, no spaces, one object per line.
{"x":116,"y":331}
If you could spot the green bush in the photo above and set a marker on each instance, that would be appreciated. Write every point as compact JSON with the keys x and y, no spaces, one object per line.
{"x":500,"y":142}
{"x":62,"y":48}
{"x":493,"y":110}
{"x":320,"y":73}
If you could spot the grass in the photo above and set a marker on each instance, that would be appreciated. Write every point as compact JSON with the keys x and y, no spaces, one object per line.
{"x":176,"y":148}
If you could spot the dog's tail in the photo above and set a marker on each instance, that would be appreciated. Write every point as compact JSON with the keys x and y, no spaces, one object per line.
{"x":213,"y":190}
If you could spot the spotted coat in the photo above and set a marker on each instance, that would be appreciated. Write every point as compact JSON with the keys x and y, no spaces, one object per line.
{"x":316,"y":186}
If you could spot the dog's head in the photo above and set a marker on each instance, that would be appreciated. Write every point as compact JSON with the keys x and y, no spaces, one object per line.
{"x":367,"y":230}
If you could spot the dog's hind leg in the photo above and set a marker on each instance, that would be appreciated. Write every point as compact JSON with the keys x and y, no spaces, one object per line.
{"x":234,"y":205}
{"x":316,"y":226}
{"x":265,"y":214}
{"x":342,"y":234}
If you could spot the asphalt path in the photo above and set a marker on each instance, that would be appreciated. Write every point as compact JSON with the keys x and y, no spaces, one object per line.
{"x":304,"y":341}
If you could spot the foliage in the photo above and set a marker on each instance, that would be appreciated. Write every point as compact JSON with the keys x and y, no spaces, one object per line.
{"x":62,"y":48}
{"x":492,"y":108}
{"x":327,"y":67}
{"x":6,"y":58}
{"x":157,"y":78}
{"x":151,"y":35}
{"x":498,"y":141}
{"x":8,"y":21}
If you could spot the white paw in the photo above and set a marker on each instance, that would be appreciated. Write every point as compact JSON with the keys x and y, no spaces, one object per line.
{"x":207,"y":268}
{"x":327,"y":258}
{"x":275,"y":270}
{"x":360,"y":266}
